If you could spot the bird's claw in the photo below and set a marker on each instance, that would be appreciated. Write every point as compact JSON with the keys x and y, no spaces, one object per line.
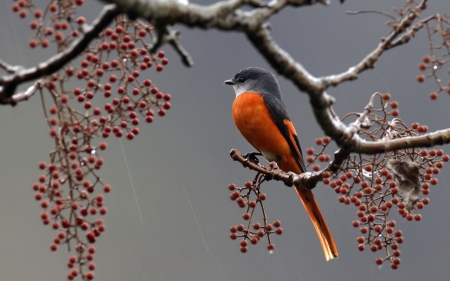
{"x":251,"y":156}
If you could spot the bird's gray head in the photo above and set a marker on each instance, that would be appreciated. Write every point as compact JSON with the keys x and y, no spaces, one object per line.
{"x":255,"y":79}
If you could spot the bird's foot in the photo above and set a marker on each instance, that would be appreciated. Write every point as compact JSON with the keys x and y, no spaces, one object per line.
{"x":251,"y":156}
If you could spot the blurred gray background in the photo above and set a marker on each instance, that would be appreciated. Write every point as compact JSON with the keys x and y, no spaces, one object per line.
{"x":180,"y":164}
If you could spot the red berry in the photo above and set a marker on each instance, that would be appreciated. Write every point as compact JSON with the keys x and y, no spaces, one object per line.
{"x":44,"y":43}
{"x":421,"y":78}
{"x":90,"y":275}
{"x":161,"y":54}
{"x":72,"y":259}
{"x":142,"y":33}
{"x":33,"y":25}
{"x":394,"y":104}
{"x":433,"y":95}
{"x":395,"y":112}
{"x":394,"y":266}
{"x":23,"y":14}
{"x":167,"y":105}
{"x":262,"y":196}
{"x":53,"y":7}
{"x":377,"y":228}
{"x":33,"y":43}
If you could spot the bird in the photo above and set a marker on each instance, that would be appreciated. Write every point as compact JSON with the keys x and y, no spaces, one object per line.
{"x":262,"y":118}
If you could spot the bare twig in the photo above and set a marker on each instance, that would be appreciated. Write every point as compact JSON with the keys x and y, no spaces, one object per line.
{"x":10,"y":68}
{"x":26,"y":94}
{"x":370,"y":60}
{"x":166,"y":34}
{"x":371,"y":12}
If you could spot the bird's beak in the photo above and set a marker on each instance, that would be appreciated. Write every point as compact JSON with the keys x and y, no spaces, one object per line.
{"x":229,"y":82}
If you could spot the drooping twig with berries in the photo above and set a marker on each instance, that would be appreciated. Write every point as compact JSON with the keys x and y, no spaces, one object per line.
{"x":110,"y":99}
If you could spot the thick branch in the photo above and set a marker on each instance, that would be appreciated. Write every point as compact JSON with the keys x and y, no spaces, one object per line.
{"x":9,"y":83}
{"x":226,"y":15}
{"x":429,"y":140}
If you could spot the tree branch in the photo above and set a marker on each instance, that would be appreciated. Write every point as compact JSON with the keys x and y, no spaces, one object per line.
{"x":227,"y":15}
{"x":428,"y":140}
{"x":10,"y":83}
{"x":271,"y":171}
{"x":26,"y":94}
{"x":10,"y":68}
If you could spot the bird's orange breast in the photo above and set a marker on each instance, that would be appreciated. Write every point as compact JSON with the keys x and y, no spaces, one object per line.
{"x":254,"y":121}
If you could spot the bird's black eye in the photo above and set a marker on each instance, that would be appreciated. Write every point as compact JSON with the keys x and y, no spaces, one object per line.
{"x":241,"y":80}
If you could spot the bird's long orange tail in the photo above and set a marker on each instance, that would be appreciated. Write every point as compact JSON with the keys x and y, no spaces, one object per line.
{"x":326,"y":239}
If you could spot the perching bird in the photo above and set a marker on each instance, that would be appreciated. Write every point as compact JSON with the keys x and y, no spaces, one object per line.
{"x":262,"y":119}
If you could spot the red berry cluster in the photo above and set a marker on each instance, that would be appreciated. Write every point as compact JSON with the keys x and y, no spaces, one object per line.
{"x":432,"y":64}
{"x":320,"y":156}
{"x":60,"y":27}
{"x":367,"y":183}
{"x":253,"y":231}
{"x":112,"y":96}
{"x":437,"y":59}
{"x":69,"y":193}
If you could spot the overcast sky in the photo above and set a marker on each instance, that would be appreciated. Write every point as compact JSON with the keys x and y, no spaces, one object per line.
{"x":180,"y":166}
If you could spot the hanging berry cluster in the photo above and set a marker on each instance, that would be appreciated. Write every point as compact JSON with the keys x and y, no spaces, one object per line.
{"x":373,"y":186}
{"x":249,"y":197}
{"x":433,"y":63}
{"x":109,"y":94}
